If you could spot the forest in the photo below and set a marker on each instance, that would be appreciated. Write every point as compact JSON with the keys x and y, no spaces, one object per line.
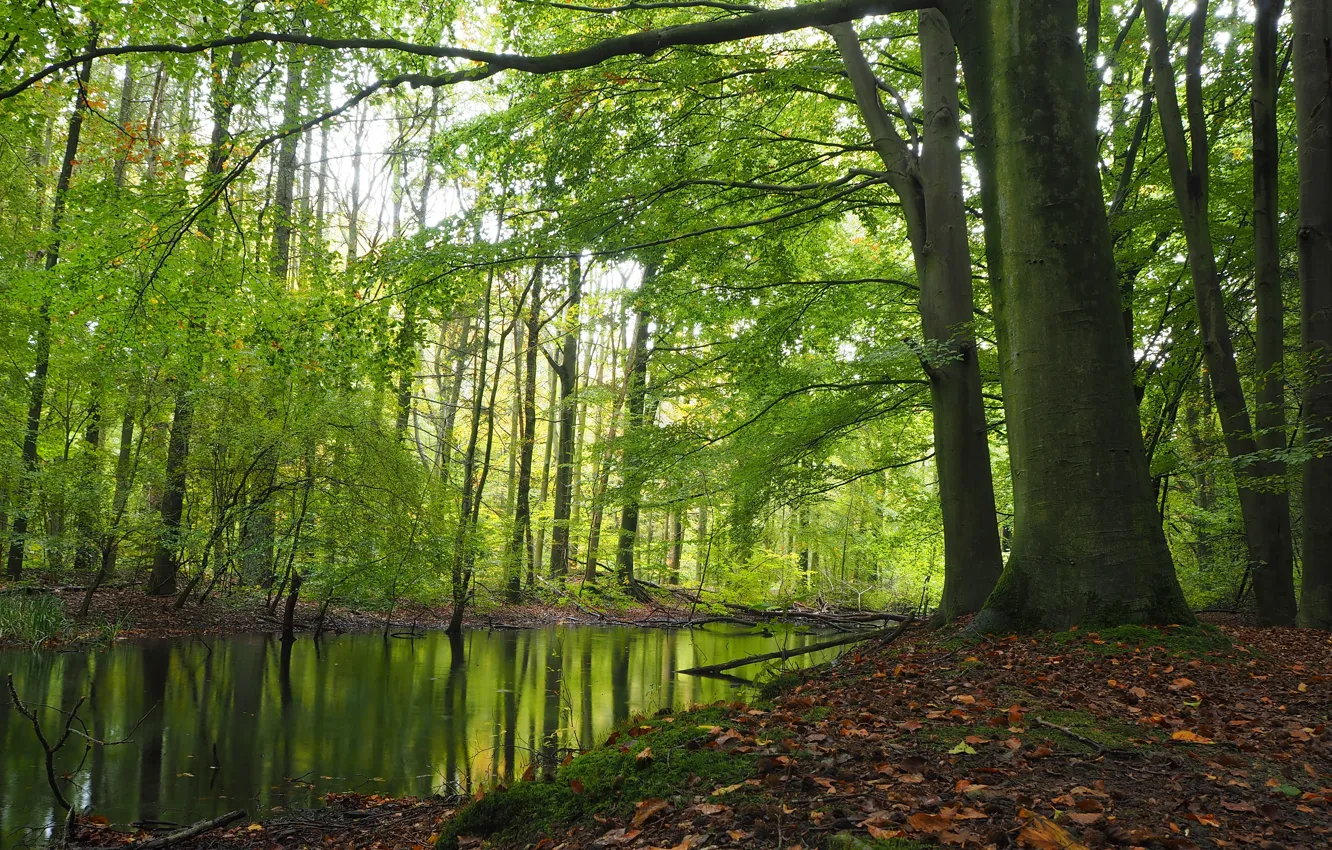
{"x":827,"y":323}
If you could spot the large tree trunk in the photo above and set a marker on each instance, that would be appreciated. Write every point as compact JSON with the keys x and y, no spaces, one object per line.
{"x":564,"y":471}
{"x":1313,"y":109}
{"x":930,"y":188}
{"x":1087,"y":544}
{"x":1263,"y":500}
{"x":636,"y":402}
{"x":42,"y":342}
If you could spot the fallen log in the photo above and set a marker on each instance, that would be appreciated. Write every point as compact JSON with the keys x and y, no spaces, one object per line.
{"x":887,"y":635}
{"x":190,"y":831}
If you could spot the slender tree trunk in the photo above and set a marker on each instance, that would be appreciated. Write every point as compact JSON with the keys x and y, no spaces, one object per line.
{"x":463,"y":540}
{"x":676,"y":550}
{"x":1313,"y":109}
{"x":601,"y":475}
{"x":42,"y":341}
{"x":564,"y":471}
{"x":522,"y":506}
{"x":539,"y":546}
{"x":930,"y":188}
{"x":636,"y":402}
{"x":455,"y":393}
{"x":285,"y":190}
{"x":1087,"y":543}
{"x":166,"y":564}
{"x":1266,"y":511}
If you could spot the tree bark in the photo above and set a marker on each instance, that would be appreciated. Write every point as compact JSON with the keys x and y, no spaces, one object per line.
{"x":522,"y":505}
{"x":564,"y":471}
{"x":1313,"y":108}
{"x":636,"y":402}
{"x":1087,"y":545}
{"x":930,"y":189}
{"x":1263,"y":501}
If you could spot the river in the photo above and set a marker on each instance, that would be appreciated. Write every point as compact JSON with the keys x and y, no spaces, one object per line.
{"x":247,"y":722}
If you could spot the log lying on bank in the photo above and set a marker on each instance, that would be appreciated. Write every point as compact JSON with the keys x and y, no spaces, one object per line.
{"x":886,"y":636}
{"x":190,"y":831}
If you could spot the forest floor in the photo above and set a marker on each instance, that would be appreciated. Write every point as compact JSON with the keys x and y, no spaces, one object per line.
{"x":127,"y":612}
{"x":1170,"y":739}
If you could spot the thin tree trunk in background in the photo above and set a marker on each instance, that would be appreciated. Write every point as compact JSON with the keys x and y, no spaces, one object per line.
{"x":676,"y":550}
{"x":462,"y":538}
{"x":602,"y":469}
{"x":455,"y":393}
{"x":522,"y":506}
{"x":568,"y":371}
{"x":126,"y":111}
{"x":1266,"y":513}
{"x":1313,"y":109}
{"x":930,"y":188}
{"x":166,"y":564}
{"x":42,"y":341}
{"x":1087,"y":543}
{"x":539,"y":546}
{"x":354,"y":208}
{"x":154,"y":123}
{"x":119,"y":499}
{"x":636,"y":402}
{"x":285,"y":189}
{"x":701,"y":546}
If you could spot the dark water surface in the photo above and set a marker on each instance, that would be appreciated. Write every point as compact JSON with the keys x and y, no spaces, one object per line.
{"x":244,"y":722}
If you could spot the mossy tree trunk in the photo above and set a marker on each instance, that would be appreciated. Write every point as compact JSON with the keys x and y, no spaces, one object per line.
{"x":1087,"y":545}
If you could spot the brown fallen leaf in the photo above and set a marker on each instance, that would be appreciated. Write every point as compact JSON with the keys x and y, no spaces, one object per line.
{"x":928,"y":822}
{"x":1041,"y":833}
{"x":646,"y":809}
{"x":1184,"y":736}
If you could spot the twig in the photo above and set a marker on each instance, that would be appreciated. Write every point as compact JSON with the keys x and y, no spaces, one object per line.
{"x":191,"y":831}
{"x":70,"y":718}
{"x":887,"y":635}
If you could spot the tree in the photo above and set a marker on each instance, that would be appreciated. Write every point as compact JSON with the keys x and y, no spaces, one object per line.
{"x":1087,"y":544}
{"x":1312,"y":59}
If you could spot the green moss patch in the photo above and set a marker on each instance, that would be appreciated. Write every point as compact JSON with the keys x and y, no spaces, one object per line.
{"x":610,"y":780}
{"x":1175,"y":641}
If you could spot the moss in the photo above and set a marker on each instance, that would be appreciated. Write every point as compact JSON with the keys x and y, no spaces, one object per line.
{"x":850,"y":841}
{"x":611,"y":781}
{"x":1176,"y":641}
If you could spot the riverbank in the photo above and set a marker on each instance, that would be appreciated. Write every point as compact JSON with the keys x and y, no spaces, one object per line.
{"x":121,"y":613}
{"x":1171,"y":739}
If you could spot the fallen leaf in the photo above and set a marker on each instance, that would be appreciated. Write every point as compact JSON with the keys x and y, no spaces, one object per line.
{"x":1184,"y":736}
{"x":646,"y":809}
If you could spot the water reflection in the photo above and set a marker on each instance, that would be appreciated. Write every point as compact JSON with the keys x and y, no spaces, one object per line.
{"x":250,"y":722}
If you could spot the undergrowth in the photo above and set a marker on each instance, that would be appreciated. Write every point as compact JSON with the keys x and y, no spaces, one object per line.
{"x":33,"y":620}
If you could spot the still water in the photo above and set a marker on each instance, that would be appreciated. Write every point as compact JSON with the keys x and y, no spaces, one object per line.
{"x":245,"y":722}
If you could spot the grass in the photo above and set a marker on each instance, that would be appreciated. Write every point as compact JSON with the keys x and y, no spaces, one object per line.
{"x":610,"y":779}
{"x":33,"y":620}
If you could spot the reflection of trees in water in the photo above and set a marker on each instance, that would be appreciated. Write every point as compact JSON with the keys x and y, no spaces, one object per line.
{"x":423,"y":715}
